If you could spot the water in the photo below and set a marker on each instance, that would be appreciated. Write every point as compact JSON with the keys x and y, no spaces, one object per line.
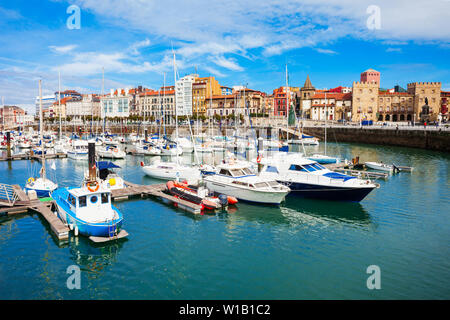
{"x":306,"y":249}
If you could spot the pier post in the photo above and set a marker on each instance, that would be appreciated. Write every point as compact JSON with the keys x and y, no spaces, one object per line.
{"x":91,"y":157}
{"x":145,"y":134}
{"x":8,"y":144}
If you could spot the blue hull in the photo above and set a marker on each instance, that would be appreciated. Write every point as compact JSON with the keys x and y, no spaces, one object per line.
{"x":324,"y":161}
{"x":40,"y":193}
{"x":327,"y":193}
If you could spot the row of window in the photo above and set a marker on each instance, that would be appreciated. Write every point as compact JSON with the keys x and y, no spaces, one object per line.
{"x":82,"y":201}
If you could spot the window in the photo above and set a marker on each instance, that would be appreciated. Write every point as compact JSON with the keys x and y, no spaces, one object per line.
{"x":224,"y":172}
{"x":271,"y":169}
{"x":260,"y":185}
{"x":82,"y":201}
{"x":105,"y":198}
{"x":296,"y":167}
{"x":94,"y":199}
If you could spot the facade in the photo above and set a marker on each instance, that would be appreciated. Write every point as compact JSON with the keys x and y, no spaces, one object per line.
{"x":184,"y":97}
{"x":47,"y":103}
{"x":202,"y":90}
{"x":80,"y":108}
{"x":226,"y":90}
{"x":153,"y":104}
{"x":116,"y":104}
{"x":60,"y":107}
{"x":11,"y":116}
{"x":331,"y":106}
{"x":282,"y":97}
{"x":304,"y":98}
{"x":245,"y":102}
{"x":370,"y":76}
{"x":395,"y":106}
{"x":426,"y":92}
{"x":364,"y":101}
{"x":445,"y":99}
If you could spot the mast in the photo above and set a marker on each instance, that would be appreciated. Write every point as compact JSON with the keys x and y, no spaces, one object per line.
{"x":175,"y":94}
{"x":40,"y":130}
{"x":326,"y":123}
{"x":287,"y":105}
{"x":164,"y":101}
{"x":59,"y":102}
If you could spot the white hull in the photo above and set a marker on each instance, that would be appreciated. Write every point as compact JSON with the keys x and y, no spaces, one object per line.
{"x":77,"y":155}
{"x":192,"y":175}
{"x":379,"y":166}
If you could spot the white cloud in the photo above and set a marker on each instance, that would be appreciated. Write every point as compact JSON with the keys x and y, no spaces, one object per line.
{"x":63,"y":49}
{"x":325,"y":51}
{"x":229,"y":64}
{"x":394,"y":50}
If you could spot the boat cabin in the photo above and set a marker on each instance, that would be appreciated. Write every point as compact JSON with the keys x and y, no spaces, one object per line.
{"x":86,"y":204}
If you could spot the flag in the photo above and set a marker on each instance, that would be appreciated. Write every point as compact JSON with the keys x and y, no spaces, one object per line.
{"x":53,"y":166}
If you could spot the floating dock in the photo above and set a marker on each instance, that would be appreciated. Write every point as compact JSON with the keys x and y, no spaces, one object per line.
{"x":155,"y":190}
{"x":29,"y":156}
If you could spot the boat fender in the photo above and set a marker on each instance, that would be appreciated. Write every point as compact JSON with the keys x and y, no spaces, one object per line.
{"x":76,"y":231}
{"x":223,"y":199}
{"x":112,"y":182}
{"x":170,"y":185}
{"x":232,"y":200}
{"x":142,"y":163}
{"x":30,"y":180}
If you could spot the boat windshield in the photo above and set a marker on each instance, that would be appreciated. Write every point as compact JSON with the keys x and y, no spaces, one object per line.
{"x":273,"y":183}
{"x":237,"y":172}
{"x":247,"y":171}
{"x":307,"y":167}
{"x":261,"y":185}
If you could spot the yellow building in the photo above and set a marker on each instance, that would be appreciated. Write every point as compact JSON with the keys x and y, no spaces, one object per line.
{"x":429,"y":90}
{"x":365,"y":101}
{"x":202,"y":89}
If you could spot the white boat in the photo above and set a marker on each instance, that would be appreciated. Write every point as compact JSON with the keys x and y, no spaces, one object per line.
{"x":147,"y":149}
{"x":380,"y":166}
{"x":309,"y":179}
{"x":111,"y":152}
{"x":105,"y":176}
{"x":78,"y":150}
{"x":238,"y":180}
{"x":323,"y":159}
{"x":172,"y":171}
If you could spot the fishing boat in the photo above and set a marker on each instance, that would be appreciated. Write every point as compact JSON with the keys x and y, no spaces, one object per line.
{"x":88,"y":209}
{"x":199,"y":195}
{"x":41,"y":185}
{"x":380,"y":166}
{"x":309,"y":179}
{"x":237,"y":179}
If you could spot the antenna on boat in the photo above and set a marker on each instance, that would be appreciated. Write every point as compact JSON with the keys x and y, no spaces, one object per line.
{"x":91,"y":159}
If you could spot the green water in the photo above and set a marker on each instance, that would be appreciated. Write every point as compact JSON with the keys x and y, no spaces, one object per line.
{"x":305,"y":249}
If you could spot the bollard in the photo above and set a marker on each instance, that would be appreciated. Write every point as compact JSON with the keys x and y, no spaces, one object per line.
{"x":8,"y":144}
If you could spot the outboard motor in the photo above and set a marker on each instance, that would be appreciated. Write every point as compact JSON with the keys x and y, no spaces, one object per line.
{"x":223,"y":199}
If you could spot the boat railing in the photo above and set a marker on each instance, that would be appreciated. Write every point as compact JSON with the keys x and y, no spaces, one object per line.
{"x":8,"y":195}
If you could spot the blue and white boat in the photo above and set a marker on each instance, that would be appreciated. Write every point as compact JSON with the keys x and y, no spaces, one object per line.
{"x":89,"y":210}
{"x":309,"y":179}
{"x":323,"y":159}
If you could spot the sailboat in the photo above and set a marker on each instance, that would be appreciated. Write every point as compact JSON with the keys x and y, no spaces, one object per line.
{"x":43,"y":186}
{"x":323,"y":158}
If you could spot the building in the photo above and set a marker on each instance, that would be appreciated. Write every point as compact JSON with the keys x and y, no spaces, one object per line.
{"x":202,"y":90}
{"x":116,"y":104}
{"x":226,"y":90}
{"x":331,"y":106}
{"x":184,"y":97}
{"x":282,"y":97}
{"x":59,"y":107}
{"x":155,"y":105}
{"x":370,"y":76}
{"x":364,"y":101}
{"x":12,"y":116}
{"x":47,"y":103}
{"x":395,"y":106}
{"x":304,"y":96}
{"x":426,"y":93}
{"x":242,"y":102}
{"x":81,"y":108}
{"x":445,"y":99}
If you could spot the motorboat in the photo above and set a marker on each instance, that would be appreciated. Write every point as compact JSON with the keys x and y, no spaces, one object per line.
{"x":323,"y":159}
{"x":111,"y":152}
{"x":237,"y":179}
{"x":78,"y":150}
{"x":309,"y":179}
{"x":305,"y":140}
{"x":380,"y":166}
{"x":199,"y":195}
{"x":171,"y":171}
{"x":88,"y":210}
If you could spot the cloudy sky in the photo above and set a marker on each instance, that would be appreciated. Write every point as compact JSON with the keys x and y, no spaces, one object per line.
{"x":239,"y":42}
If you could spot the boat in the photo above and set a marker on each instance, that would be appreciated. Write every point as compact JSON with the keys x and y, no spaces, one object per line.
{"x":41,"y":185}
{"x":148,"y":149}
{"x":323,"y":159}
{"x":309,"y":179}
{"x":199,"y":195}
{"x":111,"y":152}
{"x":380,"y":166}
{"x":305,"y":140}
{"x":171,"y":171}
{"x":237,"y":179}
{"x":78,"y":150}
{"x":88,"y":210}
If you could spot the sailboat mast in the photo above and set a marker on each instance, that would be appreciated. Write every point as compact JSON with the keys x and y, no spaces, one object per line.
{"x":287,"y":105}
{"x":326,"y":113}
{"x":40,"y":130}
{"x":59,"y":102}
{"x":175,"y":94}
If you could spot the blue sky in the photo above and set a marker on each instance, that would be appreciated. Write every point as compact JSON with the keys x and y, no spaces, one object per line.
{"x":237,"y":42}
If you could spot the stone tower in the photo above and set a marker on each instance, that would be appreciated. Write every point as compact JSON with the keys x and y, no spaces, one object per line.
{"x":305,"y":95}
{"x":426,"y":90}
{"x":365,"y":101}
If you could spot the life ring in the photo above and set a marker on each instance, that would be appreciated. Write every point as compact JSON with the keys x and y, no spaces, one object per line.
{"x":116,"y":150}
{"x":30,"y":180}
{"x":96,"y":186}
{"x":258,"y":159}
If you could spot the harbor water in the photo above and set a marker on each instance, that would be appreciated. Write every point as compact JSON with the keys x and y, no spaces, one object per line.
{"x":304,"y":249}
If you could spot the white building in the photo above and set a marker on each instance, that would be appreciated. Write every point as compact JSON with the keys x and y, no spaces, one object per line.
{"x":88,"y":105}
{"x":116,"y":104}
{"x":183,"y":95}
{"x":47,"y":102}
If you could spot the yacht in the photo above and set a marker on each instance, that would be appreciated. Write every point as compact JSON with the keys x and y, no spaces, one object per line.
{"x":308,"y":178}
{"x":111,"y":152}
{"x":237,"y":179}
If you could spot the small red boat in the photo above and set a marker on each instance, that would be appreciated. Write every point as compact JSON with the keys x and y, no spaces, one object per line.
{"x":199,"y":196}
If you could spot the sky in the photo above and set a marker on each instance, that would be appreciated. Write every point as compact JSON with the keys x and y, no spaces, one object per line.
{"x":238,"y":42}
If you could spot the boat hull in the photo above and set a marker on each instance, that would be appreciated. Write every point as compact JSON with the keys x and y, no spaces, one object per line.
{"x":40,"y":193}
{"x":327,"y":193}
